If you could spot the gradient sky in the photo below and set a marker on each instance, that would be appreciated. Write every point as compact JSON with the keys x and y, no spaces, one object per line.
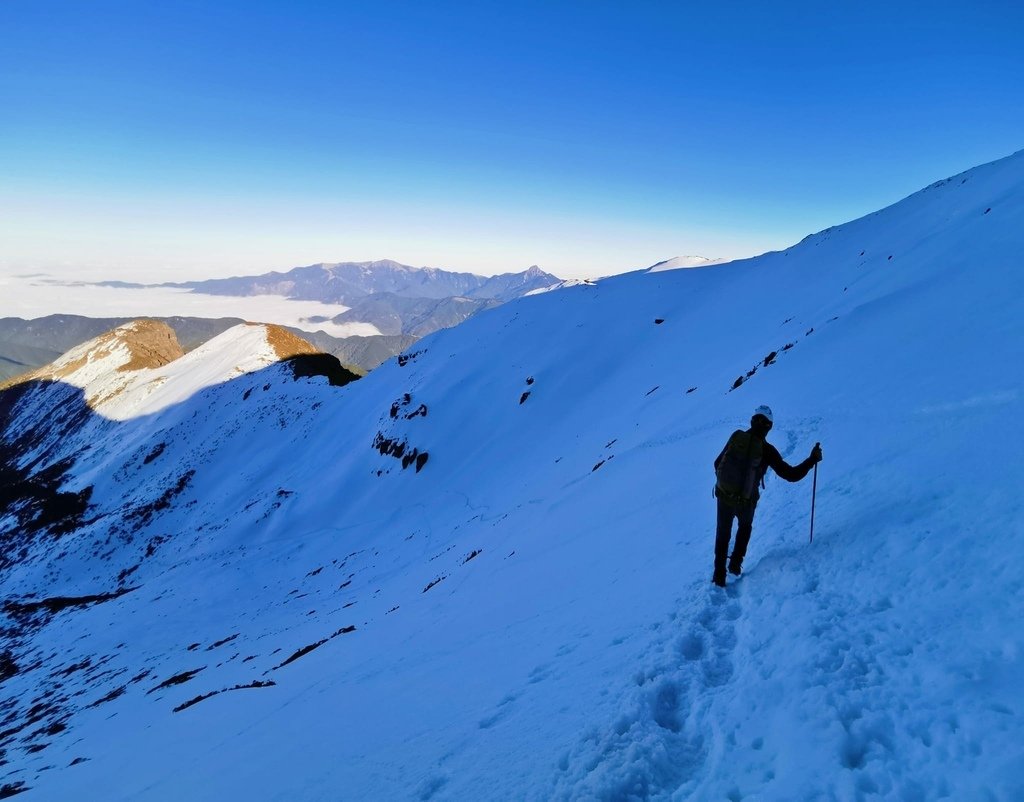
{"x":153,"y":140}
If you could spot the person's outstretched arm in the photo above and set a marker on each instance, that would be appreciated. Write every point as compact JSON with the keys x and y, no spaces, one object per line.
{"x":791,"y":473}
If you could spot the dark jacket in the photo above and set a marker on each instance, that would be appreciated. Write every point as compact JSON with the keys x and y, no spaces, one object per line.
{"x":771,"y":458}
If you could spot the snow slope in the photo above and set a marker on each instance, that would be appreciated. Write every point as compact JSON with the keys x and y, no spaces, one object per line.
{"x":526,"y":613}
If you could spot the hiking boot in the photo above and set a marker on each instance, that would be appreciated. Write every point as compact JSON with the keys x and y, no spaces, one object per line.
{"x":735,"y":566}
{"x":719,"y":577}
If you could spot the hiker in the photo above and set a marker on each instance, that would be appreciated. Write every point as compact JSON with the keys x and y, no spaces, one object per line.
{"x":739,"y":470}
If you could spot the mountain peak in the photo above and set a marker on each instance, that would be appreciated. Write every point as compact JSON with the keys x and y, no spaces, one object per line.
{"x":284,"y":343}
{"x":151,"y":343}
{"x":130,"y":347}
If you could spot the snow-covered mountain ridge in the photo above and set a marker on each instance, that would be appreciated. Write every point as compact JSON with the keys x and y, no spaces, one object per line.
{"x":677,"y":262}
{"x":128,"y":372}
{"x":268,"y":598}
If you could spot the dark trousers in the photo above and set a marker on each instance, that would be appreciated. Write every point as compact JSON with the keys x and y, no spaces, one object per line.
{"x":726,"y":512}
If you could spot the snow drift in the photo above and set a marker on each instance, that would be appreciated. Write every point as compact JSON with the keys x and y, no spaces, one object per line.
{"x":267,"y":598}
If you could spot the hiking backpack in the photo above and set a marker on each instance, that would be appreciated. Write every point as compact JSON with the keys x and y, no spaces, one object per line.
{"x":739,"y":468}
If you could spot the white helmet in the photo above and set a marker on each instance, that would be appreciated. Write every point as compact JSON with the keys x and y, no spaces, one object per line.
{"x":765,"y":411}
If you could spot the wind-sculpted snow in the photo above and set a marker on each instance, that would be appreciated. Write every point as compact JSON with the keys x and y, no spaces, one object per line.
{"x":260,"y":602}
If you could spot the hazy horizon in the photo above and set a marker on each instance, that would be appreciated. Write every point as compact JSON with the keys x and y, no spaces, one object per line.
{"x":185,"y":141}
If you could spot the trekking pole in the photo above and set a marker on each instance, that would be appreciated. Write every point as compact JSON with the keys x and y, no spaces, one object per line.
{"x":814,"y":493}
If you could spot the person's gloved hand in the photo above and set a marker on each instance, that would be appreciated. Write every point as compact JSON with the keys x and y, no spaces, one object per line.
{"x":816,"y":456}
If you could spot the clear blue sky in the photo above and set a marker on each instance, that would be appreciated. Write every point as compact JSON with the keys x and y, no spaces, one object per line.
{"x":211,"y":138}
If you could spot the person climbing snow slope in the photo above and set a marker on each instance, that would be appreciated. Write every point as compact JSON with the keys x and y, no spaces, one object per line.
{"x":739,"y":473}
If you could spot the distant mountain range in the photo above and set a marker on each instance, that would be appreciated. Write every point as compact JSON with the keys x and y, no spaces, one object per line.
{"x":404,"y":303}
{"x":348,"y":282}
{"x":396,"y":298}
